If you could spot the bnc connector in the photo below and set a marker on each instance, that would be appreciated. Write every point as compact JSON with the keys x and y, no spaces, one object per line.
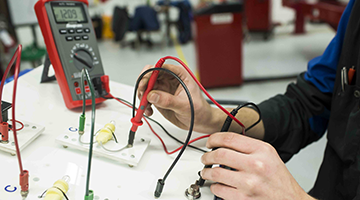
{"x":193,"y":192}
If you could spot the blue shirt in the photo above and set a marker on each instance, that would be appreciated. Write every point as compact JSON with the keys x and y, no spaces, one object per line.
{"x":322,"y":70}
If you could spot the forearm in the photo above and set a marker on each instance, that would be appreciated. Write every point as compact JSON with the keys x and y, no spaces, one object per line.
{"x":247,"y":116}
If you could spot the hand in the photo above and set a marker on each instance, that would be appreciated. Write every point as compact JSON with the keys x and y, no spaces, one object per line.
{"x":260,"y":173}
{"x":169,"y":97}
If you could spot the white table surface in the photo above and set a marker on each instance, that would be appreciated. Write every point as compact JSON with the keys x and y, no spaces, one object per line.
{"x":47,"y":161}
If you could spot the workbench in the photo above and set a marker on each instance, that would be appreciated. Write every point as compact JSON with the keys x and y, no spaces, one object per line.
{"x":328,"y":11}
{"x":48,"y":161}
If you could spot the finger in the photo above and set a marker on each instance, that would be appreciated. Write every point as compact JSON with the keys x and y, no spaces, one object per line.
{"x":235,"y":141}
{"x":226,"y":192}
{"x":178,"y":70}
{"x":146,"y":68}
{"x":148,"y":111}
{"x":221,"y":175}
{"x":143,"y":82}
{"x":226,"y":157}
{"x":142,"y":87}
{"x":165,"y":100}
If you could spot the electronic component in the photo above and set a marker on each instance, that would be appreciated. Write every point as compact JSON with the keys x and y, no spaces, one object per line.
{"x":106,"y":133}
{"x":71,"y":45}
{"x":58,"y":190}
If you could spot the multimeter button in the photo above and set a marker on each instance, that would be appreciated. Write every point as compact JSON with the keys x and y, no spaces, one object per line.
{"x":78,"y":90}
{"x":62,"y":31}
{"x":77,"y":37}
{"x":71,"y":30}
{"x":69,"y":38}
{"x":79,"y":30}
{"x":87,"y":89}
{"x":87,"y":30}
{"x":85,"y":37}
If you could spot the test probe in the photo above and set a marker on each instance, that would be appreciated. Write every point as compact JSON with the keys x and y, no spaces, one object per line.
{"x":136,"y":121}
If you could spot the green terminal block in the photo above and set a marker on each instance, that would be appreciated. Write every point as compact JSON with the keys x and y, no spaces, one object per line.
{"x":81,"y":124}
{"x":90,"y":196}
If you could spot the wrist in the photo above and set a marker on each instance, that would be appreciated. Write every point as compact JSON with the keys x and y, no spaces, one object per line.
{"x":302,"y":194}
{"x":212,"y":121}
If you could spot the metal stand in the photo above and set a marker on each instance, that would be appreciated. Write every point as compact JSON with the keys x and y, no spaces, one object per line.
{"x":45,"y":75}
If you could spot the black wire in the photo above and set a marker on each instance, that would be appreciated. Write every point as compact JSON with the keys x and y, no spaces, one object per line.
{"x":174,"y":138}
{"x":42,"y":195}
{"x":257,"y":110}
{"x":253,"y":105}
{"x":191,"y":108}
{"x":161,"y":126}
{"x":114,"y":136}
{"x":241,"y":105}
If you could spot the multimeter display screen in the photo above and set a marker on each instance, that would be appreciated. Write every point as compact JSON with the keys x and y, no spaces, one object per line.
{"x":69,"y":14}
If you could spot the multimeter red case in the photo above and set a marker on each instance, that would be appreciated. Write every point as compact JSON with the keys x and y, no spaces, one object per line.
{"x":67,"y":30}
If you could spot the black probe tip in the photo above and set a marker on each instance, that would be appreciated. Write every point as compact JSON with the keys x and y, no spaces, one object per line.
{"x":131,"y":138}
{"x":159,"y":188}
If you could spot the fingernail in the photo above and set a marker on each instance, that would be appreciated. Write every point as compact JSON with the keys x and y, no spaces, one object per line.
{"x":153,"y":98}
{"x":201,"y":173}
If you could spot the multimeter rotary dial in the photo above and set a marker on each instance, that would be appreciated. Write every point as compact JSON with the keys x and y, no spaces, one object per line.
{"x":83,"y":57}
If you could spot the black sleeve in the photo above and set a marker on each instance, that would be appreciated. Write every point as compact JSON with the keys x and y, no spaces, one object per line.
{"x":297,"y":118}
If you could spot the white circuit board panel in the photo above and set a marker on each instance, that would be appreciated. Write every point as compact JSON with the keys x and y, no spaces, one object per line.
{"x":25,"y":136}
{"x":130,"y":156}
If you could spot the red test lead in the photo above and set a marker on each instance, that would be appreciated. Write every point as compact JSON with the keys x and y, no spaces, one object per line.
{"x":24,"y":174}
{"x":136,"y":121}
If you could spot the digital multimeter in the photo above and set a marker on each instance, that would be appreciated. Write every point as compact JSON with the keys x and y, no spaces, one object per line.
{"x":71,"y":45}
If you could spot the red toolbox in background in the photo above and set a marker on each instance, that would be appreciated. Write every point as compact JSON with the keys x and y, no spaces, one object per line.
{"x":258,"y":15}
{"x":218,"y":41}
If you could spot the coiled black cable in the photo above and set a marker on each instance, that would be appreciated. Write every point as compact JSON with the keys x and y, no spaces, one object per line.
{"x":161,"y":182}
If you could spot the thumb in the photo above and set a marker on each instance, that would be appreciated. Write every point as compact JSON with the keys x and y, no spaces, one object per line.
{"x":164,"y":100}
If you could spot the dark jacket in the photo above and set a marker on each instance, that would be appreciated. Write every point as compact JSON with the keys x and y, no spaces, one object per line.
{"x":316,"y":103}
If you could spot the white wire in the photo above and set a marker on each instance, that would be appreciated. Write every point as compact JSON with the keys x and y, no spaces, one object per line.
{"x":88,"y":142}
{"x":111,"y":150}
{"x":81,"y":142}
